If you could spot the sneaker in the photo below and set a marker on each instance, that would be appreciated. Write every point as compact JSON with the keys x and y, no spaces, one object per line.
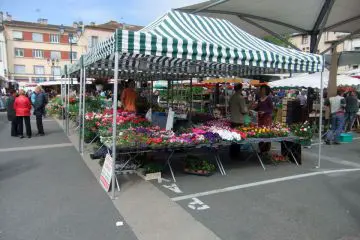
{"x":21,"y":136}
{"x":337,"y":143}
{"x":328,"y":142}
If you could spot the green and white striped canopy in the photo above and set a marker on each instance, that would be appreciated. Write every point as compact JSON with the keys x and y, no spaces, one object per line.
{"x":180,"y":43}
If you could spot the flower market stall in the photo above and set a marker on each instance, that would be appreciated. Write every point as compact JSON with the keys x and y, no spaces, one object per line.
{"x":183,"y":46}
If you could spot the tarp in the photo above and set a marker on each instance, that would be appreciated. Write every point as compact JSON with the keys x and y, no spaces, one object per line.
{"x":180,"y":42}
{"x":284,"y":16}
{"x":313,"y":80}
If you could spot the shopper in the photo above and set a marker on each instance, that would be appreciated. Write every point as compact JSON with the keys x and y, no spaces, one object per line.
{"x":303,"y":106}
{"x":238,"y":109}
{"x":351,"y":109}
{"x":128,"y":97}
{"x":39,"y":109}
{"x":22,"y":108}
{"x":265,"y":108}
{"x":11,"y":114}
{"x":337,"y":109}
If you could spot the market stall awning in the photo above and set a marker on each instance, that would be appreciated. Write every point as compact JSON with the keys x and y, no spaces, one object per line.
{"x":186,"y":43}
{"x":312,"y":80}
{"x":277,"y":17}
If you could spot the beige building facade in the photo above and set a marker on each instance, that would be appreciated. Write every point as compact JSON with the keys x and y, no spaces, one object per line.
{"x":36,"y":52}
{"x":326,"y":41}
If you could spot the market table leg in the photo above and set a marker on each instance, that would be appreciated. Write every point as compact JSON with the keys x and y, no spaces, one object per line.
{"x":219,"y":163}
{"x":258,"y":156}
{"x":168,"y":162}
{"x":291,"y":149}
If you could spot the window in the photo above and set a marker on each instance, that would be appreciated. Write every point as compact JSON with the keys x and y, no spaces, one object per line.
{"x":37,"y":37}
{"x":19,"y":52}
{"x":55,"y":55}
{"x":38,"y":53}
{"x":73,"y":55}
{"x":93,"y":41}
{"x":355,"y":66}
{"x":357,"y":48}
{"x":56,"y":71}
{"x":17,"y":35}
{"x":18,"y":69}
{"x":39,"y":70}
{"x":305,"y":39}
{"x":54,"y":38}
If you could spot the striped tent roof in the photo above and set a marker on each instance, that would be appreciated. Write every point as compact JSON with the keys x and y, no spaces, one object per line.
{"x":180,"y":43}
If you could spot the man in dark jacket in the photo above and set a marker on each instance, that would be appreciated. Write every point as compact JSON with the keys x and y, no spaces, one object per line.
{"x":11,"y":114}
{"x":351,"y":109}
{"x":39,"y":109}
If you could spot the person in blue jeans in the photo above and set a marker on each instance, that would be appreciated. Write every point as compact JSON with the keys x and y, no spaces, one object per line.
{"x":337,"y":107}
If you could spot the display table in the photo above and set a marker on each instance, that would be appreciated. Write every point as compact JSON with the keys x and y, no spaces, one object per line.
{"x":290,"y":147}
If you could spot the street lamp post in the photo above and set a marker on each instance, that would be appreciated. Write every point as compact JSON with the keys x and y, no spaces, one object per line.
{"x":73,"y":37}
{"x":72,"y":40}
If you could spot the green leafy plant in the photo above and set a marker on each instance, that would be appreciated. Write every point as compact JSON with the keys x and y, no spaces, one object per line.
{"x":153,"y":168}
{"x":196,"y":164}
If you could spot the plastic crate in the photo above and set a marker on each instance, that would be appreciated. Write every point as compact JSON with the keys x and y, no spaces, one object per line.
{"x":346,"y":137}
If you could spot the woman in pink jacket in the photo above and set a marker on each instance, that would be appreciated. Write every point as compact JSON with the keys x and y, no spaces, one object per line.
{"x":22,"y":108}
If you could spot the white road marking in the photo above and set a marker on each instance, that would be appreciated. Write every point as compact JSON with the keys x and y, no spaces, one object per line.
{"x":196,"y":204}
{"x":254,"y":184}
{"x":173,"y":187}
{"x":322,"y":142}
{"x":15,"y":149}
{"x":334,"y":160}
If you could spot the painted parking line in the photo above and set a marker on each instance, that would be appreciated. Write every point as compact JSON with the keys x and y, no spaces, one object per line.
{"x":260,"y":183}
{"x":334,"y":160}
{"x":322,"y":143}
{"x":15,"y":149}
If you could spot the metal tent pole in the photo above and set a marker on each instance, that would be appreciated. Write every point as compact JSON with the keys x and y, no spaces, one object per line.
{"x":80,"y":111}
{"x":67,"y":109}
{"x":321,"y":112}
{"x":62,"y":99}
{"x":66,"y":104}
{"x":116,"y":73}
{"x":191,"y":100}
{"x":83,"y":109}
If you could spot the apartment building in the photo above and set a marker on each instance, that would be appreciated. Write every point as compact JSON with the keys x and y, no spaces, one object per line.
{"x":3,"y":55}
{"x":327,"y":39}
{"x":36,"y":51}
{"x":93,"y":34}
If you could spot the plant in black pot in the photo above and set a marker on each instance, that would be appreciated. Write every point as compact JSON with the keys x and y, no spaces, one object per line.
{"x":197,"y":166}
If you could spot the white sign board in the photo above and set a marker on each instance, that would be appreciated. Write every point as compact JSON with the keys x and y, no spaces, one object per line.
{"x":106,"y":173}
{"x":170,"y":119}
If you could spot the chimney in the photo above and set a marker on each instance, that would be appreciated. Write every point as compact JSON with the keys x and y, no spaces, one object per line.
{"x":75,"y":24}
{"x":42,"y":21}
{"x":8,"y":17}
{"x":92,"y":23}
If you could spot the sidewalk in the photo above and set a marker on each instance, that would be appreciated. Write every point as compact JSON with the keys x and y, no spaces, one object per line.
{"x":47,"y":192}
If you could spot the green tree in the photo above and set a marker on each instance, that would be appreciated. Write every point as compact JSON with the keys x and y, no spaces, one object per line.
{"x":277,"y":41}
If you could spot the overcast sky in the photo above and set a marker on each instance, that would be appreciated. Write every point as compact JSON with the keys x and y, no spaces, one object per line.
{"x":140,"y":12}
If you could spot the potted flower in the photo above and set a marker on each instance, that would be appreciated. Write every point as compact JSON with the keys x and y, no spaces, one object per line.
{"x":304,"y":132}
{"x":195,"y":165}
{"x":151,"y":171}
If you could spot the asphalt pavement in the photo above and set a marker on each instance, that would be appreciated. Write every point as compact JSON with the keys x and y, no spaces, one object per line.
{"x":48,"y":193}
{"x":284,"y":202}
